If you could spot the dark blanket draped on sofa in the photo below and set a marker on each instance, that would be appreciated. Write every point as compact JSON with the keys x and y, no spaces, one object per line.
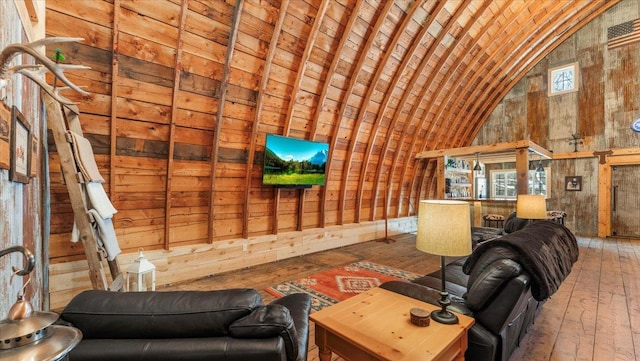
{"x":548,"y":257}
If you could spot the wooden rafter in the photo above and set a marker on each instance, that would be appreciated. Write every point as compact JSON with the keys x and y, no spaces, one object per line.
{"x":177,"y":72}
{"x":114,"y":99}
{"x":459,"y":95}
{"x":264,"y":80}
{"x":313,"y":35}
{"x":413,"y":110}
{"x":350,"y":88}
{"x":233,"y":35}
{"x":427,"y":84}
{"x":361,"y":114}
{"x":323,"y":96}
{"x":503,"y":53}
{"x":507,"y":47}
{"x":374,"y":199}
{"x":311,"y":41}
{"x":385,"y":106}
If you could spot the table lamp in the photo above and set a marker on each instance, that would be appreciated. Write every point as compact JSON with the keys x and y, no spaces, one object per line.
{"x":444,"y":229}
{"x":531,"y":206}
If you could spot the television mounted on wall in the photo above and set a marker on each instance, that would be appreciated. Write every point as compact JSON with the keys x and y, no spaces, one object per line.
{"x":291,"y":162}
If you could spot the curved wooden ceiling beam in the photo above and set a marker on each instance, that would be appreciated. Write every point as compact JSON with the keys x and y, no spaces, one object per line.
{"x":498,"y":55}
{"x":403,"y":100}
{"x":177,"y":71}
{"x":264,"y":80}
{"x":233,"y":36}
{"x":113,"y":138}
{"x":352,"y":82}
{"x":558,"y":36}
{"x":408,"y":91}
{"x":414,"y":109}
{"x":384,"y":106}
{"x":333,"y":67}
{"x":469,"y":86}
{"x":518,"y":47}
{"x":363,"y":111}
{"x":311,"y":41}
{"x":422,"y":122}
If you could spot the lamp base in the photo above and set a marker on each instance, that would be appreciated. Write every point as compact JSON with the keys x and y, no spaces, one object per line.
{"x":444,"y":316}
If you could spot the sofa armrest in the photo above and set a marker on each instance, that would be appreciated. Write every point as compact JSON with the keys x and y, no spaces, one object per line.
{"x":299,"y":306}
{"x":268,"y":321}
{"x":490,"y":282}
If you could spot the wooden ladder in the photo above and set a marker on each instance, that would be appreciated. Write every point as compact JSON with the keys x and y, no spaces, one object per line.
{"x":79,"y":202}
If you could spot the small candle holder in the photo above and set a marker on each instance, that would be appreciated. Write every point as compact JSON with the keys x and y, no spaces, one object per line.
{"x":420,"y":317}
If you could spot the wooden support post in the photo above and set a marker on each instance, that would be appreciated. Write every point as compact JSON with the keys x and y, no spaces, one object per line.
{"x":522,"y":170}
{"x":440,"y":181}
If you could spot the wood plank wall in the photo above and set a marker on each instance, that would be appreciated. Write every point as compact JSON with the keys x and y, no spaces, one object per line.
{"x":182,"y":93}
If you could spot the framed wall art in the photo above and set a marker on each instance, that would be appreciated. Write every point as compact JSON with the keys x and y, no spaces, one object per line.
{"x":563,"y":79}
{"x":21,"y":145}
{"x":573,"y":183}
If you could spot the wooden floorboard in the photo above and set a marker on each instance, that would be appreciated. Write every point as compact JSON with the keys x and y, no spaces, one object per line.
{"x":594,"y":316}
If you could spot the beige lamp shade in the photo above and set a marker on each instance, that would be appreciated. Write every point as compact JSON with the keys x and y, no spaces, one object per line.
{"x":444,"y":228}
{"x":531,"y":206}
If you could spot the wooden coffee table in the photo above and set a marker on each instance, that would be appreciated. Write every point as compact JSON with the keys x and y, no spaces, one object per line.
{"x":375,"y":325}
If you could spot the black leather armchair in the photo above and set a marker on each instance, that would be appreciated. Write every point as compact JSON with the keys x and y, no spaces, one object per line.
{"x":230,"y":325}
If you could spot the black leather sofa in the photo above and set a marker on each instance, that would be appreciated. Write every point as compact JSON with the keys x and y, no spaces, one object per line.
{"x":502,"y":284}
{"x":230,"y":325}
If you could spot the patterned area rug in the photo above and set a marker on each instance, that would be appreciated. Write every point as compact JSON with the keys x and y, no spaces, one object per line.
{"x":335,"y":285}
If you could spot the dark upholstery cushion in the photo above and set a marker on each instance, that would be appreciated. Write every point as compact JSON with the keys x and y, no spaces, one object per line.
{"x":268,"y":321}
{"x":513,"y":223}
{"x":146,"y":315}
{"x":489,"y":283}
{"x":299,"y":306}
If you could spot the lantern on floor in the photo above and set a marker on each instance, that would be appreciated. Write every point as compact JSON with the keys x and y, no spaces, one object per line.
{"x":141,"y":274}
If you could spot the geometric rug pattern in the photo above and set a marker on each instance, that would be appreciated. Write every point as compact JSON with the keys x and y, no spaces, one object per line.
{"x":332,"y":286}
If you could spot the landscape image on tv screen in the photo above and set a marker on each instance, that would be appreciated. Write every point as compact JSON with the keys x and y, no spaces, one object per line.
{"x":294,"y":162}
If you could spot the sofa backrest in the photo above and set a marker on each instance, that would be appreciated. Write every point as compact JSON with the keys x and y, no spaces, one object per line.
{"x":118,"y":315}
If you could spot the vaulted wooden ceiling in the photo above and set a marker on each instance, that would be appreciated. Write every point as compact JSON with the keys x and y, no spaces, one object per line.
{"x":198,"y":84}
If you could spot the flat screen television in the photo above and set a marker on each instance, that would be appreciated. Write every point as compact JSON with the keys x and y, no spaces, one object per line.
{"x":291,"y":162}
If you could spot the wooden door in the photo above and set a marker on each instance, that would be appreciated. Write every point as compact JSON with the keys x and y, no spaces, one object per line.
{"x":625,"y":195}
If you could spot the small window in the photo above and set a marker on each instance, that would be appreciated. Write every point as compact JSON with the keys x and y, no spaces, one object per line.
{"x":504,"y":183}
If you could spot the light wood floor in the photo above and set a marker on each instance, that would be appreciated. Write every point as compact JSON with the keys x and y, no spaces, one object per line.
{"x":595,"y":315}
